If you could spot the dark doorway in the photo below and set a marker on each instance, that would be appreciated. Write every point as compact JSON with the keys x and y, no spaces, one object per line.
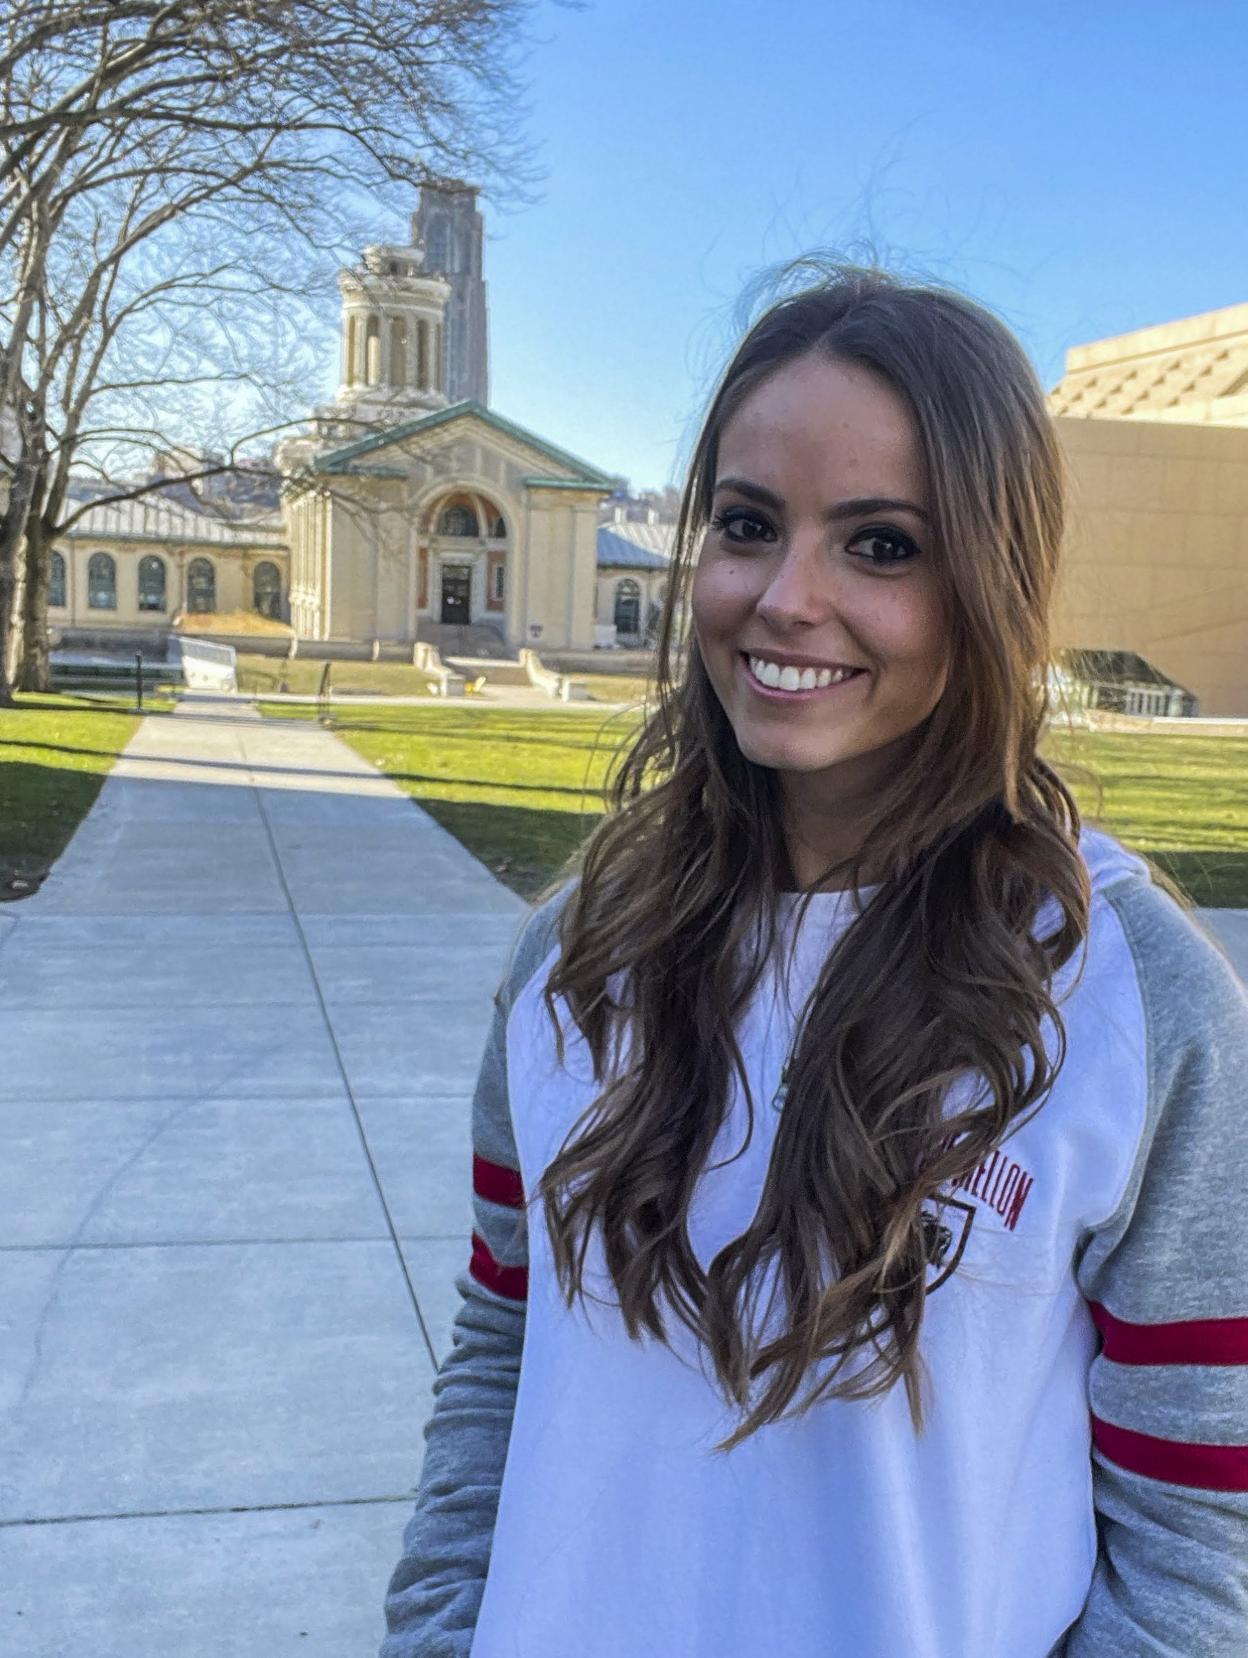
{"x":456,"y":590}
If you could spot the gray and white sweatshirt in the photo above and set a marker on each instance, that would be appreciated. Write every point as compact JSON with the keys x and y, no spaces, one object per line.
{"x":1081,"y":1487}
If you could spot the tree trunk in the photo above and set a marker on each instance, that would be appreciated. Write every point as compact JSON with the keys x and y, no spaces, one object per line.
{"x":38,"y":562}
{"x":8,"y":575}
{"x":12,"y":630}
{"x":12,"y":580}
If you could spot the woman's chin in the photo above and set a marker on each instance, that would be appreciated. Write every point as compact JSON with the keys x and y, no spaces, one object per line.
{"x":782,"y":755}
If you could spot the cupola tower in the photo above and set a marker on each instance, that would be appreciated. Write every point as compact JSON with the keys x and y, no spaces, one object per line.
{"x":393,"y":351}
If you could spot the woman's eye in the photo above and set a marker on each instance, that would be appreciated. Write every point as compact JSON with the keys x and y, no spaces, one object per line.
{"x":879,"y":547}
{"x":884,"y":546}
{"x":731,"y":524}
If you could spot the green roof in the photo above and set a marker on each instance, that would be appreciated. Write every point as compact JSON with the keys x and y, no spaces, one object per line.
{"x":587,"y":476}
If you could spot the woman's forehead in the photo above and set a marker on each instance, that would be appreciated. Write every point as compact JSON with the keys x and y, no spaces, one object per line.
{"x":827,"y":418}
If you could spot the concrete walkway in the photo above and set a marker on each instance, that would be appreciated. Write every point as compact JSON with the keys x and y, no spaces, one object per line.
{"x":241,"y":1024}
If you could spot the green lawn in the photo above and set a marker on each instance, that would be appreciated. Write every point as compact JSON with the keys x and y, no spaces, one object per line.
{"x":521,"y":788}
{"x":303,"y":676}
{"x":617,"y":687}
{"x":55,"y":752}
{"x":1181,"y":798}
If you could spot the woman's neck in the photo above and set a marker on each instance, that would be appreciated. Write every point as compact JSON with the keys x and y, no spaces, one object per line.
{"x":808,"y":866}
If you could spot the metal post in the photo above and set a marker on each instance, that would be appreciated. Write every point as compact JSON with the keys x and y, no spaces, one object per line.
{"x":138,"y":678}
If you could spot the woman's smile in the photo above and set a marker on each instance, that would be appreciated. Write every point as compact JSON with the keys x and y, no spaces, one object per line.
{"x":789,"y":683}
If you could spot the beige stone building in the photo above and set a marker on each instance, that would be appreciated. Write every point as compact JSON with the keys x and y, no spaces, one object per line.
{"x":456,"y":517}
{"x":131,"y":566}
{"x":1155,"y":427}
{"x":633,"y":565}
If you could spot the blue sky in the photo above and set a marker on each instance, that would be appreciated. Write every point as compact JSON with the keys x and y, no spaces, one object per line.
{"x":1082,"y":168}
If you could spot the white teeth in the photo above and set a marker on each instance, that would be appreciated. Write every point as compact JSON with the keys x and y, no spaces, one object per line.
{"x":794,"y":679}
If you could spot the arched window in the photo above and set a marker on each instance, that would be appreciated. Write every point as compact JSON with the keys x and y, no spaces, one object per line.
{"x":151,"y":582}
{"x":266,"y":586}
{"x":499,"y":530}
{"x":102,"y":582}
{"x":422,"y":355}
{"x":458,"y":521}
{"x":201,"y":587}
{"x":372,"y":352}
{"x":627,"y":607}
{"x":398,"y":354}
{"x":56,"y":583}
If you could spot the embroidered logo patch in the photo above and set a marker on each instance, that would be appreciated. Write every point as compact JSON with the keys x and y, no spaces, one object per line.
{"x":946,"y":1226}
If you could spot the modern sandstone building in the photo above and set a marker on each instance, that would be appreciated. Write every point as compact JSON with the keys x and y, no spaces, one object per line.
{"x":409,"y":504}
{"x":1155,"y":428}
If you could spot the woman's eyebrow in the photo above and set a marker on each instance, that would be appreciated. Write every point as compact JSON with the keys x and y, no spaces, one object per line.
{"x":856,"y":508}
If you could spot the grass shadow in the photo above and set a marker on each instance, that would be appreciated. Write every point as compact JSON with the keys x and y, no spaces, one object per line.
{"x":524,"y":848}
{"x":1212,"y":879}
{"x":45,"y":804}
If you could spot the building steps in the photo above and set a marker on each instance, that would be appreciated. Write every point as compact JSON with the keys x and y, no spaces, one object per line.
{"x":467,"y":639}
{"x":496,"y":670}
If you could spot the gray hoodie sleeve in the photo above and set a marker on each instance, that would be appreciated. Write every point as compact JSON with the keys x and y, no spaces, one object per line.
{"x":1167,"y":1281}
{"x":435,"y":1591}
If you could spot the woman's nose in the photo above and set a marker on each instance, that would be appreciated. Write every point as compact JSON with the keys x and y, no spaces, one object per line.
{"x":799,"y":589}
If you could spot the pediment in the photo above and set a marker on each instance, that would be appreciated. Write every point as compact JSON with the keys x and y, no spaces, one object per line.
{"x":466,"y":441}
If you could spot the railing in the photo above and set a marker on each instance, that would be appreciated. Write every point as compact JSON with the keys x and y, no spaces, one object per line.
{"x":545,"y":679}
{"x":324,"y":692}
{"x":207,"y":665}
{"x":443,"y":681}
{"x":137,"y":673}
{"x":1117,"y":697}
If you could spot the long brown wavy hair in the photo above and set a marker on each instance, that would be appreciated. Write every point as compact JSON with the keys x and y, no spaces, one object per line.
{"x":939,"y":974}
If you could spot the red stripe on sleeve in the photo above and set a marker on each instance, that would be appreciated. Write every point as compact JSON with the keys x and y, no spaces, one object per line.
{"x":1192,"y":1341}
{"x":512,"y":1282}
{"x":1211,"y":1467}
{"x":497,"y":1183}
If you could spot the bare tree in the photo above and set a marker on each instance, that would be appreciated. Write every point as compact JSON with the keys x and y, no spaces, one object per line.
{"x":179,"y":178}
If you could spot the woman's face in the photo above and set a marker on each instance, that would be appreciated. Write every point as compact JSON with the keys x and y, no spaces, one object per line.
{"x":819,"y":557}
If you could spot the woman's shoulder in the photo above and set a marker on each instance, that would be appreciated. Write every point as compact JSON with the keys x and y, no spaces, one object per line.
{"x":1178,"y":958}
{"x":535,"y":939}
{"x":1187,"y":982}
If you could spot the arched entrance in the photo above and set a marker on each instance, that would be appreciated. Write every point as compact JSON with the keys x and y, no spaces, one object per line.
{"x":466,"y":549}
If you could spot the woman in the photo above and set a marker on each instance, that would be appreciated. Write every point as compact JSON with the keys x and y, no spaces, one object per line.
{"x":917,"y":1102}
